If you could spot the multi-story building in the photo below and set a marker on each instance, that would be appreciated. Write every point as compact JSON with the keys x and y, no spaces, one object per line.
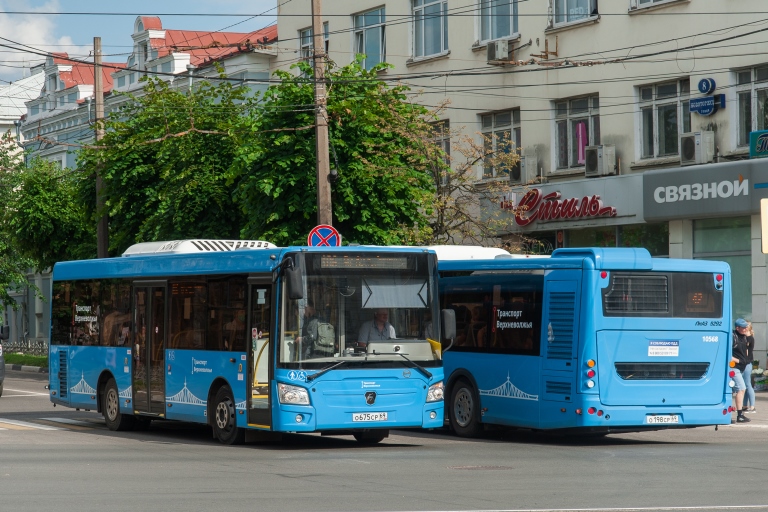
{"x":12,"y":98}
{"x":60,"y":114}
{"x":632,"y":117}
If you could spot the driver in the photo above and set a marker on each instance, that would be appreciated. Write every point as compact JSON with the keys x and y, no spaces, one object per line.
{"x":377,"y":329}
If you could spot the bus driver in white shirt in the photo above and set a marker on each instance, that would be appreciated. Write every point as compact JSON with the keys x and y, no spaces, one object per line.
{"x":377,"y":329}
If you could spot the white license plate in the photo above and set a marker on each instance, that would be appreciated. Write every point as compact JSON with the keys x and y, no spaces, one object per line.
{"x":663,"y":418}
{"x":369,"y":416}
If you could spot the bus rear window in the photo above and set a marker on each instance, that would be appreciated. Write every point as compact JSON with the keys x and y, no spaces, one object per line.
{"x":663,"y":294}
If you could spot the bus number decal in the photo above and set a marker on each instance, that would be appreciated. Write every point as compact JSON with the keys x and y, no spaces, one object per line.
{"x":710,"y":339}
{"x":701,"y":323}
{"x":716,"y":323}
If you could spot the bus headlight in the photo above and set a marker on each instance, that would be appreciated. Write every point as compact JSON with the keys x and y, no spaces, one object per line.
{"x":292,"y":394}
{"x":435,"y":393}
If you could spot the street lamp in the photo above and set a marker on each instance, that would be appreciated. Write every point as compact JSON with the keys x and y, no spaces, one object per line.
{"x":191,"y":70}
{"x":17,"y":124}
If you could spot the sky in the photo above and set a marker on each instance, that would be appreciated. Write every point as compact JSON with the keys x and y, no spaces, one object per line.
{"x":34,"y":23}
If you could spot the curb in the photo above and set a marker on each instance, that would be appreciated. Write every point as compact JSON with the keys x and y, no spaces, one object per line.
{"x":24,"y":368}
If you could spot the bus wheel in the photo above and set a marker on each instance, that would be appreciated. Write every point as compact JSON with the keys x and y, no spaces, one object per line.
{"x":464,"y":406}
{"x":224,"y":419}
{"x":110,"y":408}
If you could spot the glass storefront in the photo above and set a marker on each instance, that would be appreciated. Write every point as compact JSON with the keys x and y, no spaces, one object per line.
{"x":654,"y":237}
{"x":728,"y":240}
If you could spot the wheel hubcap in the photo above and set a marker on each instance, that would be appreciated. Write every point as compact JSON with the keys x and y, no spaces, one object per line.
{"x":112,"y":405}
{"x":224,"y":416}
{"x":462,"y":408}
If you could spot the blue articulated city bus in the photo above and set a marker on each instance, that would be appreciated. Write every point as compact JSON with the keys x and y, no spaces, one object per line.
{"x":587,"y":340}
{"x":247,"y":337}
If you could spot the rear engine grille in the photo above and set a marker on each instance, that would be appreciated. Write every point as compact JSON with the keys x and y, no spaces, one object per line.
{"x":637,"y":294}
{"x":662,"y":371}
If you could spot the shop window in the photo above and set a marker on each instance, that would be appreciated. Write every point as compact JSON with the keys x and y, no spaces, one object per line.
{"x":653,"y":237}
{"x":577,"y":125}
{"x":664,"y":115}
{"x":751,"y":93}
{"x":501,"y":133}
{"x":370,"y":37}
{"x":498,"y":19}
{"x":430,"y":27}
{"x":728,"y":240}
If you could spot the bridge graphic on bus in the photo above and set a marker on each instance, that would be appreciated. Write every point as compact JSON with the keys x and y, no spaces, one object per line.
{"x":82,"y":387}
{"x":185,"y":396}
{"x":126,"y":393}
{"x":508,"y":390}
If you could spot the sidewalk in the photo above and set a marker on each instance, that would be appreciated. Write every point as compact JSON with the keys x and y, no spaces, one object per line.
{"x":759,"y":418}
{"x":24,"y":368}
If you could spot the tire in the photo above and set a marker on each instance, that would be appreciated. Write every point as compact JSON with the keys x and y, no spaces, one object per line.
{"x":465,"y":406}
{"x":110,"y":408}
{"x":225,"y":419}
{"x":371,"y":438}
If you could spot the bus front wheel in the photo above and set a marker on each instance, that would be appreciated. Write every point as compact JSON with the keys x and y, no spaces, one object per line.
{"x":224,"y":419}
{"x":110,"y":408}
{"x":464,"y":405}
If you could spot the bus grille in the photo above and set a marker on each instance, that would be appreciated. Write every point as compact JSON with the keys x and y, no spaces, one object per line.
{"x":639,"y":294}
{"x":562,"y":306}
{"x":63,"y":374}
{"x":662,"y":371}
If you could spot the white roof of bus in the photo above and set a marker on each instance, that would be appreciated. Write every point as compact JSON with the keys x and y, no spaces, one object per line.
{"x":195,"y":246}
{"x":473,"y":252}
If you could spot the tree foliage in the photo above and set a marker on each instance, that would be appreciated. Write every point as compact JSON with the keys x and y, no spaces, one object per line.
{"x":384,"y":186}
{"x":164,"y":159}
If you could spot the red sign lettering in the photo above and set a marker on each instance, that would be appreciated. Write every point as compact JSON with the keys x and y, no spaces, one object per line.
{"x":537,"y":207}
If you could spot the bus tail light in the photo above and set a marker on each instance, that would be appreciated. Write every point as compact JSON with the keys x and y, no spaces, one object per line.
{"x":590,"y":384}
{"x":591,"y":373}
{"x":600,"y":413}
{"x":591,"y":363}
{"x":732,"y":373}
{"x":725,"y":411}
{"x":591,"y":410}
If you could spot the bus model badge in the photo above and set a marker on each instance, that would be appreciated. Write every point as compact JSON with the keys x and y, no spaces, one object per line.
{"x":370,"y":397}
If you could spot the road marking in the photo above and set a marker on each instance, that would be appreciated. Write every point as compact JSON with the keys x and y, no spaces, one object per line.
{"x":622,"y":509}
{"x":29,"y":393}
{"x":23,"y":425}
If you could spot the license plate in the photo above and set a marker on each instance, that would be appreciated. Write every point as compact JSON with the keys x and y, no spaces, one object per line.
{"x":369,"y":416}
{"x":663,"y":418}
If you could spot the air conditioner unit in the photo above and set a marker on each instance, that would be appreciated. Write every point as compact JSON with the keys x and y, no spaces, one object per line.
{"x":600,"y":161}
{"x":498,"y":50}
{"x":525,"y":172}
{"x":697,"y":148}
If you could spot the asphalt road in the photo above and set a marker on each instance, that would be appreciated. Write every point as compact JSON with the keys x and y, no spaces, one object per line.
{"x":65,"y":460}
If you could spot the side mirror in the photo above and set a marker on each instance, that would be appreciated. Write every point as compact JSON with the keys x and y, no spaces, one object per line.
{"x":294,"y":284}
{"x":5,"y":332}
{"x":448,"y":319}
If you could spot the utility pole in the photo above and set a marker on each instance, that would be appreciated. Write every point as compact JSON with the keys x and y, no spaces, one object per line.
{"x":102,"y":227}
{"x":324,"y":211}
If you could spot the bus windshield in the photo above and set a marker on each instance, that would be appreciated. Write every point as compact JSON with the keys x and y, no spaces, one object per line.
{"x":361,"y":309}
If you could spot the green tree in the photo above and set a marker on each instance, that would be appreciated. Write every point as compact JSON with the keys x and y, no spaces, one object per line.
{"x":384,"y":187}
{"x":163,"y":160}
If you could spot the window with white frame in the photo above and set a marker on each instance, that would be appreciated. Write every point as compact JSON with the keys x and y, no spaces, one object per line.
{"x":574,"y":10}
{"x":306,"y":41}
{"x":370,"y":38}
{"x":501,"y":134}
{"x":752,"y":94}
{"x":430,"y":27}
{"x":664,"y":115}
{"x":498,"y":19}
{"x":577,"y":125}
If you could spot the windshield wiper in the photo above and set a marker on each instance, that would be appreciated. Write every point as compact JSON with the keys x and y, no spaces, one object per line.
{"x":417,"y":366}
{"x":325,"y":370}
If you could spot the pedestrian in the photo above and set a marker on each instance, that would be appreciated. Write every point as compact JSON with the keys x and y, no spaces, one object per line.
{"x":739,"y":360}
{"x":749,"y":395}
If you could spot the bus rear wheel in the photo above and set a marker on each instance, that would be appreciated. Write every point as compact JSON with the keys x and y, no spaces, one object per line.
{"x":225,"y":419}
{"x":110,"y":408}
{"x":463,"y":415}
{"x":371,"y":437}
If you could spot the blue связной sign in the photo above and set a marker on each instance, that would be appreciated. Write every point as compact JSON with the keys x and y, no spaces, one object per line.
{"x":758,"y":144}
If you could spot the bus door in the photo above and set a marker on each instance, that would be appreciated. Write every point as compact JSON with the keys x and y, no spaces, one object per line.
{"x":148,"y":347}
{"x":261,"y":353}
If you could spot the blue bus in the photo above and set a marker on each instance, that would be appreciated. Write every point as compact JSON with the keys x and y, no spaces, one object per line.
{"x":246,"y":337}
{"x":587,"y":340}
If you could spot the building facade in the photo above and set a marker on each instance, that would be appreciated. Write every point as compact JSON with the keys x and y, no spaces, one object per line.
{"x":632,"y":117}
{"x":59,"y":116}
